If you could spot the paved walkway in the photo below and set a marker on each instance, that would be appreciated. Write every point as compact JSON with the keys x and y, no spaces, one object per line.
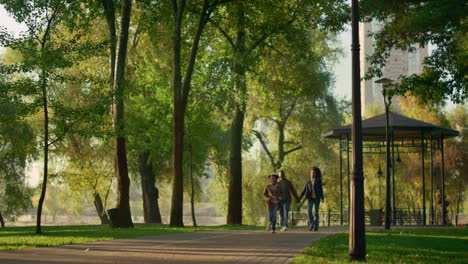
{"x":199,"y":247}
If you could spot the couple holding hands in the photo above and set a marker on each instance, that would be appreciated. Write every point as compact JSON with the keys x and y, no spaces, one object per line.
{"x":278,"y":196}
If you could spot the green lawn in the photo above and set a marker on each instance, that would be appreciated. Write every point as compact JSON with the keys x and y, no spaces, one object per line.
{"x":24,"y":237}
{"x":428,"y":245}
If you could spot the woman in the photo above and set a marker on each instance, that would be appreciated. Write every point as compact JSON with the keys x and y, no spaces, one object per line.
{"x":272,"y":195}
{"x":314,"y":193}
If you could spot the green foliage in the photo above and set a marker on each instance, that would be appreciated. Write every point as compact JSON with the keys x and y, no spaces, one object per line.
{"x":84,"y":165}
{"x":285,"y":55}
{"x":287,"y":78}
{"x":428,"y":245}
{"x":150,"y":104}
{"x":17,"y":147}
{"x":457,"y":162}
{"x":410,"y":195}
{"x":58,"y":39}
{"x":409,"y":23}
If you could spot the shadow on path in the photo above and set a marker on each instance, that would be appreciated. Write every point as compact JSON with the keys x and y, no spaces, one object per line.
{"x":199,"y":247}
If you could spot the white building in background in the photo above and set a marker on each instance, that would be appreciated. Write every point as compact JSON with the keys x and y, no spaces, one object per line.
{"x":399,"y":63}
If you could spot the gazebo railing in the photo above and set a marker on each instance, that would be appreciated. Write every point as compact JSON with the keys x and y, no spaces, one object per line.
{"x":403,"y":216}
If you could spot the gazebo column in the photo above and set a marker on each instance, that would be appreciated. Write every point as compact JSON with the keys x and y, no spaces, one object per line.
{"x":431,"y":171}
{"x":423,"y":178}
{"x":388,"y":190}
{"x":393,"y":179}
{"x":341,"y":182}
{"x":444,"y":212}
{"x":349,"y":172}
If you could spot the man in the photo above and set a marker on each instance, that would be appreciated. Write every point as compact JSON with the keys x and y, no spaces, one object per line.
{"x":287,"y":188}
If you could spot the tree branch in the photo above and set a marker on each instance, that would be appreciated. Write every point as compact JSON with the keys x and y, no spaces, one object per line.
{"x":259,"y":41}
{"x":136,"y":38}
{"x":204,"y":16}
{"x":67,"y":128}
{"x":265,"y":147}
{"x":49,"y":25}
{"x":225,"y":34}
{"x":291,"y":142}
{"x":292,"y":150}
{"x":218,"y":2}
{"x":288,"y":112}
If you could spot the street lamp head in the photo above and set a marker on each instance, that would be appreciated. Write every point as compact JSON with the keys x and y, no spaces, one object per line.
{"x":384,"y":81}
{"x":387,"y":87}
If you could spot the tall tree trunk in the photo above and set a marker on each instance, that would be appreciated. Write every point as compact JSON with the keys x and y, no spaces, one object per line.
{"x":192,"y":193}
{"x":235,"y":166}
{"x":178,"y":119}
{"x":124,"y":218}
{"x":2,"y":221}
{"x":237,"y":125}
{"x":45,"y":149}
{"x":45,"y":106}
{"x":178,"y":184}
{"x":281,"y":153}
{"x":100,"y":209}
{"x":149,"y":192}
{"x":181,"y":93}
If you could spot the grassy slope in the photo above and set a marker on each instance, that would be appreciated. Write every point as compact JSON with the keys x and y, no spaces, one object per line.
{"x":428,"y":245}
{"x":24,"y":237}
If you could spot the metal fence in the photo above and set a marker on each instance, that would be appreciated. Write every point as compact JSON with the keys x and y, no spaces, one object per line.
{"x":400,"y":216}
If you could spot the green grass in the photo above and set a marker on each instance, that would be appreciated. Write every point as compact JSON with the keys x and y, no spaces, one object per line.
{"x":423,"y":245}
{"x":25,"y":237}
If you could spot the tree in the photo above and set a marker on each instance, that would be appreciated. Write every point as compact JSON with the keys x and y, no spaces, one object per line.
{"x":457,"y":161}
{"x":409,"y":23}
{"x":149,"y":138}
{"x":45,"y":52}
{"x":89,"y":168}
{"x":149,"y":127}
{"x":117,"y":69}
{"x":245,"y":29}
{"x":290,"y":76}
{"x":203,"y":130}
{"x":455,"y":157}
{"x":17,"y":147}
{"x":181,"y":88}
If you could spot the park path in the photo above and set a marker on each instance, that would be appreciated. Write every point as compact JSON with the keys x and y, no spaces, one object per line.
{"x":198,"y":247}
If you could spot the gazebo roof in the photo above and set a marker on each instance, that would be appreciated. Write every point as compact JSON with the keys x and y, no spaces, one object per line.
{"x":373,"y":129}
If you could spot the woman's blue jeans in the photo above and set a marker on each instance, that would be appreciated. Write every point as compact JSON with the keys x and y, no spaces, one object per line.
{"x":272,"y":216}
{"x":314,"y":218}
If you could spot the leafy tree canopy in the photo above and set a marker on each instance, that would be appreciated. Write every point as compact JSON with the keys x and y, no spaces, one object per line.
{"x":409,"y":23}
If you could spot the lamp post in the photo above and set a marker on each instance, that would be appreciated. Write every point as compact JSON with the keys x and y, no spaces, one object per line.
{"x":386,"y":84}
{"x":379,"y":176}
{"x":357,"y":229}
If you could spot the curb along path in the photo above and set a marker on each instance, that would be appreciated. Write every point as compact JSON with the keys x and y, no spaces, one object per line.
{"x":198,"y":247}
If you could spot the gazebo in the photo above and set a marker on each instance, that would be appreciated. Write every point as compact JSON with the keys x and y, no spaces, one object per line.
{"x":407,"y":135}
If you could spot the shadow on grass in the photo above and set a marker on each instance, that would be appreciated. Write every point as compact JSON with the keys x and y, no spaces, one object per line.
{"x":24,"y":237}
{"x":91,"y":231}
{"x":431,"y":245}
